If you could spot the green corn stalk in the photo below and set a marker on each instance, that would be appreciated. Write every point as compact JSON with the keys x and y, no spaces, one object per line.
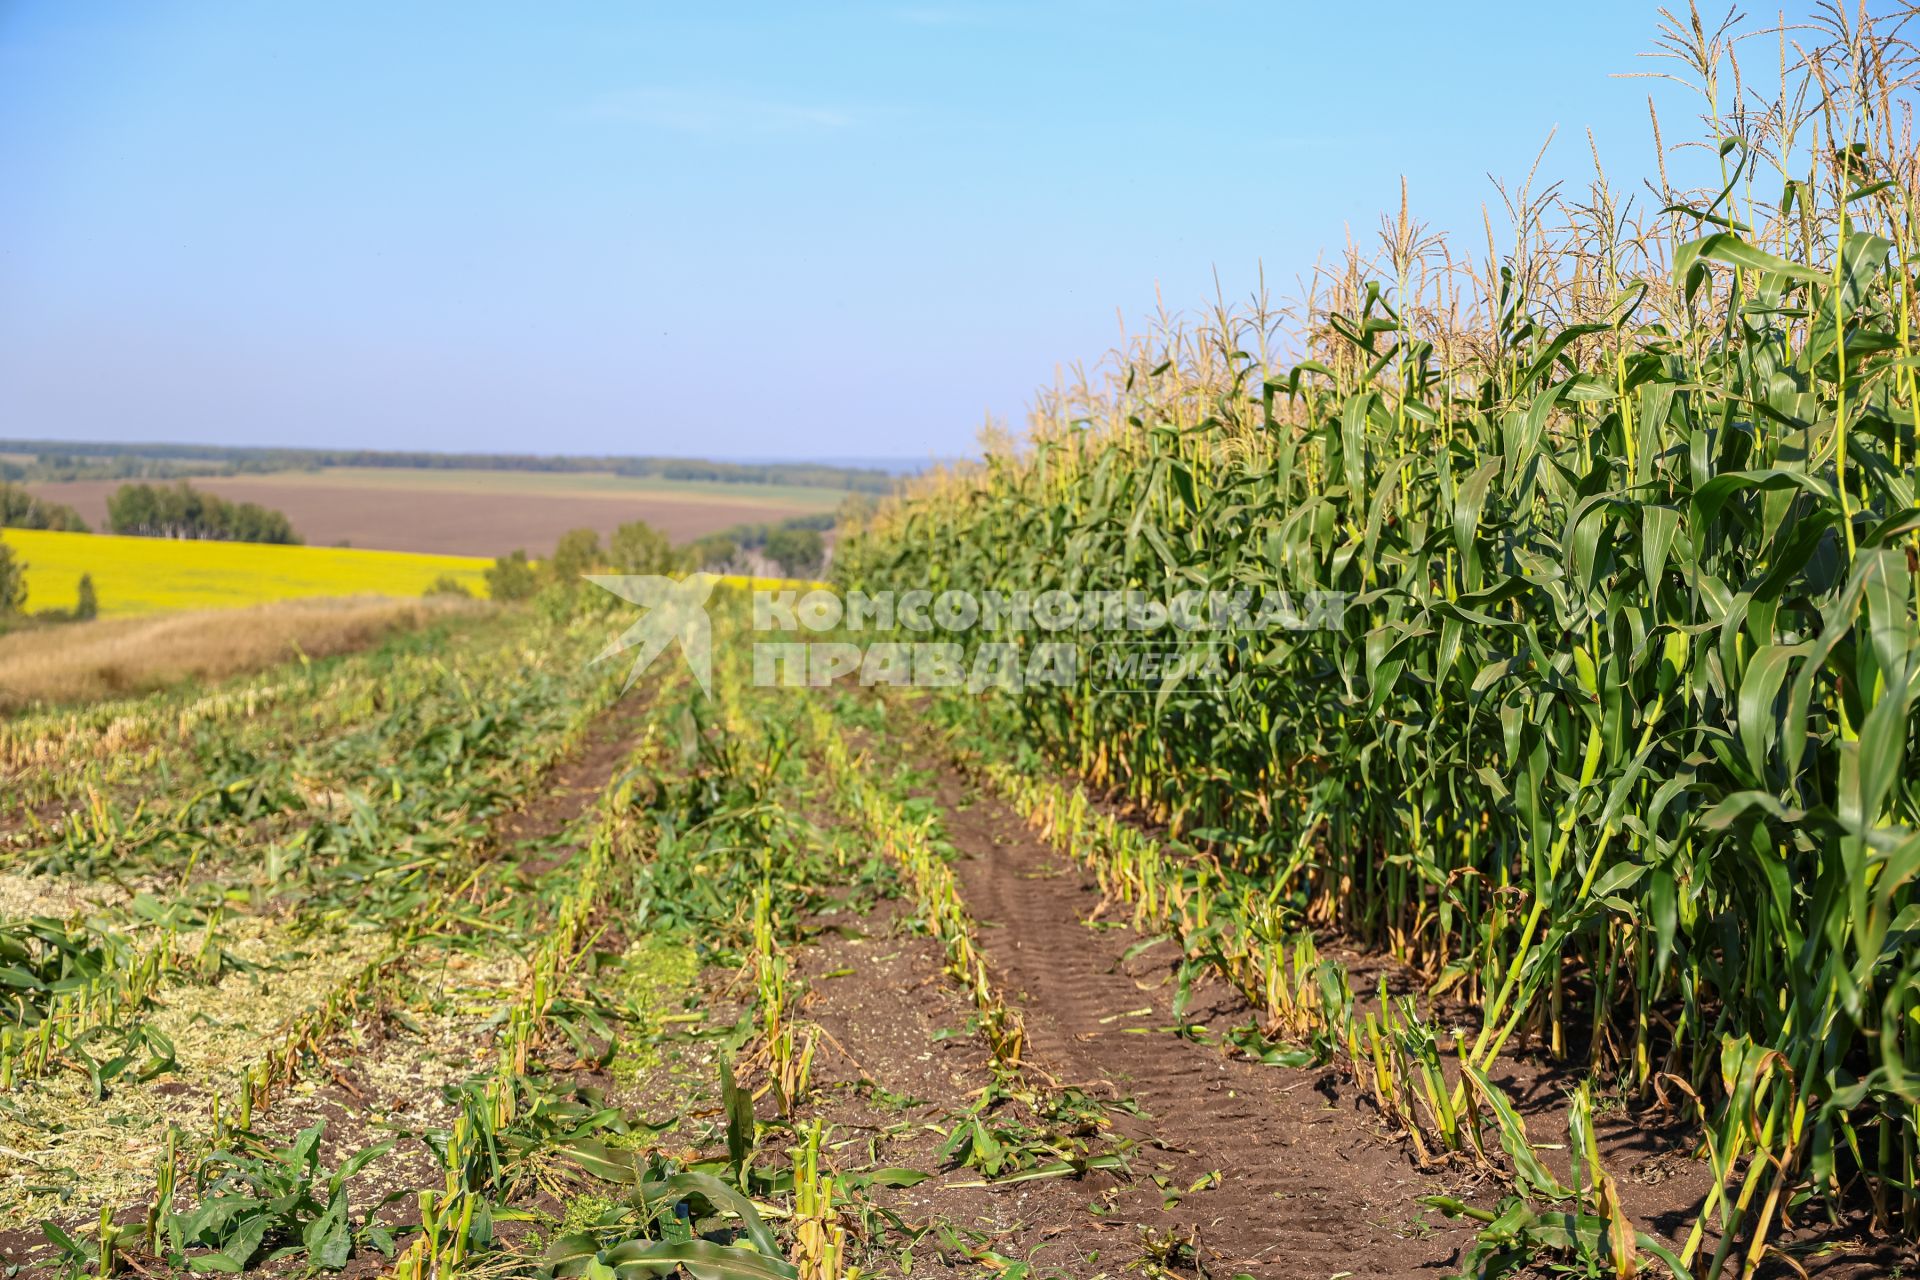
{"x":1621,"y":700}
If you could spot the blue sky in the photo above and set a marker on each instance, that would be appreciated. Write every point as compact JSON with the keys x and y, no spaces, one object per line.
{"x":768,"y":231}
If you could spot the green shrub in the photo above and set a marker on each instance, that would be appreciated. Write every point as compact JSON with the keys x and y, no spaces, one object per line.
{"x":576,"y":554}
{"x":638,"y":547}
{"x":512,"y":578}
{"x":716,"y":552}
{"x":448,"y":585}
{"x":798,"y":552}
{"x":13,"y":582}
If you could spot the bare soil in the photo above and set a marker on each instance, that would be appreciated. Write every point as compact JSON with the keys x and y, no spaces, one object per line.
{"x":1310,"y":1183}
{"x":900,"y":1066}
{"x":442,"y":522}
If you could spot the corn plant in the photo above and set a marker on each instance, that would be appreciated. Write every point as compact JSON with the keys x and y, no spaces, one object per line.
{"x":820,"y":1241}
{"x":1615,"y":722}
{"x":788,"y":1047}
{"x":1593,"y":1234}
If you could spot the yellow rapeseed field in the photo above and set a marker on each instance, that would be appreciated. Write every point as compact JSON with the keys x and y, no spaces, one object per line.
{"x":151,"y":575}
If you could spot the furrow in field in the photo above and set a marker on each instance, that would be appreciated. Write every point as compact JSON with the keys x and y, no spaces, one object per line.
{"x":1254,"y":1166}
{"x":889,"y":1083}
{"x":439,"y":1021}
{"x":1308,"y":1184}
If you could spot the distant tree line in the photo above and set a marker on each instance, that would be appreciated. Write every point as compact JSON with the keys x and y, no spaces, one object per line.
{"x":797,"y":546}
{"x":798,"y":552}
{"x":634,"y":547}
{"x":753,"y":537}
{"x":21,"y":510}
{"x":55,"y":467}
{"x":800,"y":474}
{"x":182,"y":511}
{"x":252,"y":460}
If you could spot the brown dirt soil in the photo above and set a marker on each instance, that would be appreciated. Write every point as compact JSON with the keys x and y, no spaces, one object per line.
{"x":1311,"y":1186}
{"x":898,"y":1029}
{"x":440,"y":521}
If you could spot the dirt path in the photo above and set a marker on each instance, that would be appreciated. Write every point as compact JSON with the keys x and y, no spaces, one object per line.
{"x":877,"y":990}
{"x":1309,"y":1187}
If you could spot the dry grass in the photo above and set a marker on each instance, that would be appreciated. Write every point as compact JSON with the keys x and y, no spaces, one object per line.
{"x":81,"y":662}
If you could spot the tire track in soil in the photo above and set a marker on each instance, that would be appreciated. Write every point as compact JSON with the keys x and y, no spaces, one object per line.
{"x":880,"y":991}
{"x":1310,"y":1187}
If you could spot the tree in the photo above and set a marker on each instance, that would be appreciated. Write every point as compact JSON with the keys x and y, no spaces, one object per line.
{"x":251,"y":522}
{"x":577,"y":553}
{"x":716,"y":551}
{"x":798,"y":552}
{"x":182,"y":511}
{"x":89,"y":606}
{"x":21,"y":510}
{"x":638,"y":547}
{"x":134,"y":509}
{"x":512,"y":578}
{"x":13,"y":582}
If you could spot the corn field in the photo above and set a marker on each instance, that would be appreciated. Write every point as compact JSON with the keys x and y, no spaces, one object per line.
{"x":1613,"y":737}
{"x":1569,"y":793}
{"x":444,"y":960}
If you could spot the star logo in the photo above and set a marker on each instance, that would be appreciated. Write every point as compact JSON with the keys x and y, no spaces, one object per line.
{"x":676,"y":610}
